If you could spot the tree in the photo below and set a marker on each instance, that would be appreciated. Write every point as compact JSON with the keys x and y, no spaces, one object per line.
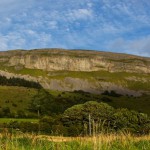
{"x":132,"y":121}
{"x":6,"y":111}
{"x":46,"y":124}
{"x":42,"y":103}
{"x":78,"y":116}
{"x":94,"y":117}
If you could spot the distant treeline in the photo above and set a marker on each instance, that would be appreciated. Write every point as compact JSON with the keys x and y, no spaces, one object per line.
{"x":18,"y":82}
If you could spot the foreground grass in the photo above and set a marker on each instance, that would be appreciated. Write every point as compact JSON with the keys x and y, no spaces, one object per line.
{"x":7,"y":120}
{"x":101,"y":142}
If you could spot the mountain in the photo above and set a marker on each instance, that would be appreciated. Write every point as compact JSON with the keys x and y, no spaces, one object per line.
{"x":86,"y":70}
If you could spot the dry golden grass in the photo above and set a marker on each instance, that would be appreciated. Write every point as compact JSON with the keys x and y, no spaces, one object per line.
{"x":104,"y":138}
{"x":98,"y":142}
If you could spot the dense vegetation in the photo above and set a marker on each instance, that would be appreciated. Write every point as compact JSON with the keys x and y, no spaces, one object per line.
{"x":68,"y":113}
{"x":71,"y":114}
{"x":22,"y":102}
{"x":18,"y":82}
{"x":59,"y":115}
{"x":93,"y":117}
{"x":90,"y":118}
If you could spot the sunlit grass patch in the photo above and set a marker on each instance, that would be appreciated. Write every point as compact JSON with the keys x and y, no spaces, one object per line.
{"x":100,"y":142}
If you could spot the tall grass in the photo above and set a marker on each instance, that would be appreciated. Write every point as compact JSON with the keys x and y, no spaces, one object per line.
{"x":122,"y":141}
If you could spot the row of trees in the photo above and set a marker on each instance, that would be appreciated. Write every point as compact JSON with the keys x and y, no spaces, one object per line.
{"x":46,"y":104}
{"x":18,"y":82}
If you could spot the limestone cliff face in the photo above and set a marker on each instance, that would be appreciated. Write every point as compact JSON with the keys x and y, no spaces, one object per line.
{"x":75,"y":60}
{"x":72,"y":84}
{"x":50,"y":61}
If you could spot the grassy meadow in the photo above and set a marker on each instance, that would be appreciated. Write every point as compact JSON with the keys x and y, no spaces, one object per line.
{"x":99,"y":142}
{"x":16,"y":98}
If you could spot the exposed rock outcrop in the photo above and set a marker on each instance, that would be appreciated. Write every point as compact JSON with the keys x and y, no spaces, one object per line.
{"x":76,"y":60}
{"x":72,"y":84}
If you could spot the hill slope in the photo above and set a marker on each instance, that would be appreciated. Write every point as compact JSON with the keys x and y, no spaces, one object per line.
{"x":18,"y":99}
{"x":69,"y":70}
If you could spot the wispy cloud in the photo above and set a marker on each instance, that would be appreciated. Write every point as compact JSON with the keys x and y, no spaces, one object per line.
{"x":119,"y":26}
{"x":140,"y":46}
{"x":79,"y":14}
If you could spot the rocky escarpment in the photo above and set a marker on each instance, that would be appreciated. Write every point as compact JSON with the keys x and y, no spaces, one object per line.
{"x":74,"y":84}
{"x":76,"y":60}
{"x":90,"y":71}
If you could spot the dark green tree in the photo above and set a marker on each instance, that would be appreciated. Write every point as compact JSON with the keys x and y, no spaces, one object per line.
{"x":42,"y":103}
{"x":77,"y":117}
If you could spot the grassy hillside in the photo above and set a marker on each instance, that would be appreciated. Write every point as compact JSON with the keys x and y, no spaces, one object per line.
{"x":16,"y":98}
{"x":19,"y":98}
{"x":140,"y":104}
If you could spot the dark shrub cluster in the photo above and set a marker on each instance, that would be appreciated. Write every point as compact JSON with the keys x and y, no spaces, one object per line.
{"x":19,"y":82}
{"x":94,"y":118}
{"x":111,"y":93}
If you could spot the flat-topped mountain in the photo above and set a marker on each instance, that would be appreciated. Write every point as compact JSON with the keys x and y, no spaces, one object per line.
{"x":68,"y":70}
{"x":75,"y":60}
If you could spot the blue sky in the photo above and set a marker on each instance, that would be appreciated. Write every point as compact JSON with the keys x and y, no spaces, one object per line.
{"x":108,"y":25}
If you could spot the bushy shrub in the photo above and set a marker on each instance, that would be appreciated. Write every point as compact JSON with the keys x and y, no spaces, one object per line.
{"x":100,"y":117}
{"x":111,"y":93}
{"x":45,"y":124}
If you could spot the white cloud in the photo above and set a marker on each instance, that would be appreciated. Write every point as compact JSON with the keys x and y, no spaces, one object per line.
{"x":90,"y":4}
{"x":133,"y":11}
{"x":79,"y":14}
{"x":27,"y":39}
{"x":8,"y":7}
{"x":11,"y":41}
{"x":52,"y":24}
{"x":3,"y":43}
{"x":95,"y":24}
{"x":139,"y":46}
{"x":30,"y":32}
